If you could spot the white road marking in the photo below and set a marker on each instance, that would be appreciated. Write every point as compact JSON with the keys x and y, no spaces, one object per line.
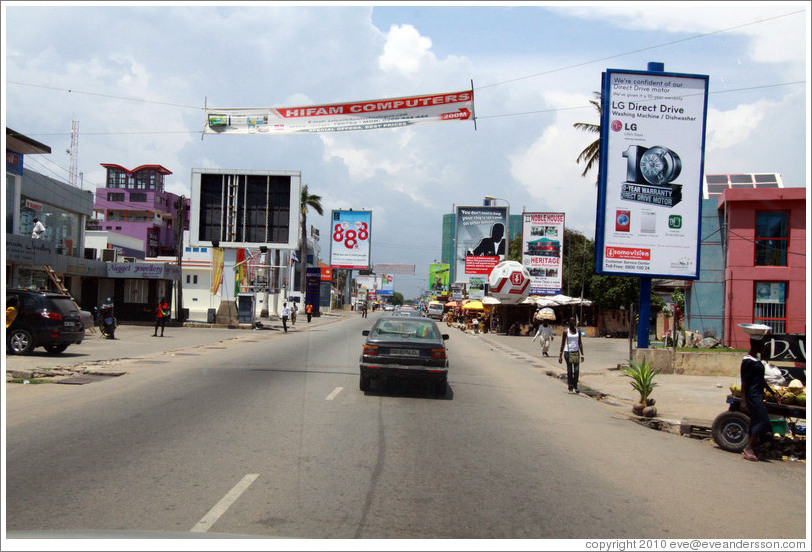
{"x":225,"y":503}
{"x":335,"y":392}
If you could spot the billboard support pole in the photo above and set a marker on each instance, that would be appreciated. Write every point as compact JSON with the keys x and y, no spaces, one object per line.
{"x":645,"y":281}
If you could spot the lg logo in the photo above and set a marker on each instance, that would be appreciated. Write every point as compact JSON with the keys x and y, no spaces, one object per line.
{"x":617,"y":126}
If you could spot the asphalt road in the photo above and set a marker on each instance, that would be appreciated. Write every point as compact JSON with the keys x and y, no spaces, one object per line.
{"x":269,"y":435}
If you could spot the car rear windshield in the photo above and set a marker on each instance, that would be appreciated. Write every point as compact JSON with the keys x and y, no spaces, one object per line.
{"x":406,"y":328}
{"x":62,"y":305}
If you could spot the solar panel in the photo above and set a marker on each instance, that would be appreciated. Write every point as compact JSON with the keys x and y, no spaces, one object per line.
{"x":716,"y":184}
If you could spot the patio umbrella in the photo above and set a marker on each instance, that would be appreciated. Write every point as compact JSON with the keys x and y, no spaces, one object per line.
{"x":545,"y":314}
{"x":491,"y":301}
{"x":476,"y":305}
{"x":451,"y":304}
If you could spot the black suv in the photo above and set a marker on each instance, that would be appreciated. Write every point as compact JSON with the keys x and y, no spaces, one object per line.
{"x":44,"y":319}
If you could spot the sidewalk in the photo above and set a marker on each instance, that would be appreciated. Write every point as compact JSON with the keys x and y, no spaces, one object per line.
{"x":682,"y":401}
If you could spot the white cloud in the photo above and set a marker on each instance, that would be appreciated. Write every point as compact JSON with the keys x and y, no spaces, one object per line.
{"x":729,"y":128}
{"x":545,"y":171}
{"x":405,"y":50}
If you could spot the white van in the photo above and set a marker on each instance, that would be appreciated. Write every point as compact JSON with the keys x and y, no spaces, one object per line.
{"x":435,"y":310}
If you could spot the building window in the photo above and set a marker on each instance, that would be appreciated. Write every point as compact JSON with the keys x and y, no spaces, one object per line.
{"x":190,"y":279}
{"x":137,"y":196}
{"x":772,"y":238}
{"x":770,"y":305}
{"x":115,"y":196}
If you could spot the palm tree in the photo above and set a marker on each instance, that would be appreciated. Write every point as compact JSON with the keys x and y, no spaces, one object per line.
{"x":591,"y":154}
{"x":307,"y":201}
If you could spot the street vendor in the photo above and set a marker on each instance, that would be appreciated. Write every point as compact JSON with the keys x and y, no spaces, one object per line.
{"x":753,"y":383}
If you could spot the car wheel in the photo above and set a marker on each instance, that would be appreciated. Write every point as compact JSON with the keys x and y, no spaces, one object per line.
{"x":364,"y":383}
{"x":55,"y":349}
{"x":20,"y":342}
{"x":730,"y":430}
{"x":440,"y":388}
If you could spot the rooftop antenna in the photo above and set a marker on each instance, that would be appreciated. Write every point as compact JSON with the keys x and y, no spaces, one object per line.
{"x":73,"y":175}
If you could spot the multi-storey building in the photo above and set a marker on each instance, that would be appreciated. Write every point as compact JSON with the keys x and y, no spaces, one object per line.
{"x":134,"y":203}
{"x":753,"y":258}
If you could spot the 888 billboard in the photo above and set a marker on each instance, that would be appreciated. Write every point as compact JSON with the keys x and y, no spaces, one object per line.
{"x":350,"y":233}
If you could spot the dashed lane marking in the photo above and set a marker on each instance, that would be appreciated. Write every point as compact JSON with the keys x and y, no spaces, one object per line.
{"x":225,"y":503}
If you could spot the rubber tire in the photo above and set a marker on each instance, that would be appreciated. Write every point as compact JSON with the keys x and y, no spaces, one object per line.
{"x":364,"y":383}
{"x":55,"y":349}
{"x":440,"y":388}
{"x":730,"y":430}
{"x":20,"y":342}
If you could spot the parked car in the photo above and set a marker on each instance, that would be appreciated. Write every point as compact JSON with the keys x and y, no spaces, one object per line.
{"x":44,"y":319}
{"x":405,"y":348}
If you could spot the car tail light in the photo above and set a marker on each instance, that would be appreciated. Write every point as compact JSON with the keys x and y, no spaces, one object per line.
{"x":438,"y":353}
{"x":45,"y":313}
{"x":370,"y":350}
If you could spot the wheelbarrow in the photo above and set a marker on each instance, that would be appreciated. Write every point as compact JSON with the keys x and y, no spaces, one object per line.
{"x":731,"y":428}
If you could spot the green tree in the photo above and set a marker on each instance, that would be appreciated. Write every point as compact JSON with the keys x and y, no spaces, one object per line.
{"x":308,"y":201}
{"x":515,"y":249}
{"x":577,"y":264}
{"x":397,"y":298}
{"x":591,"y":154}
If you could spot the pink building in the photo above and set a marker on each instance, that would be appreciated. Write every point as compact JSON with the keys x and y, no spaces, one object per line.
{"x":765,"y":260}
{"x":134,"y":203}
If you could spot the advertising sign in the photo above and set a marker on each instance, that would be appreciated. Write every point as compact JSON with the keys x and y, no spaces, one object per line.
{"x":386,"y":286}
{"x":652,"y":162}
{"x":481,"y":240}
{"x":245,"y":208}
{"x":438,"y":276}
{"x":543,"y":251}
{"x":350,"y":232}
{"x":360,"y":115}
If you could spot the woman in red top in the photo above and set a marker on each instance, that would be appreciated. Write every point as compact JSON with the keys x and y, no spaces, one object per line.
{"x":161,"y":316}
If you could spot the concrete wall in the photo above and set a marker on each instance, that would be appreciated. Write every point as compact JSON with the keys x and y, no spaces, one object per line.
{"x":712,"y":363}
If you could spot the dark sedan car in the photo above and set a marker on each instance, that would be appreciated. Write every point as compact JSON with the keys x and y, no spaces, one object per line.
{"x":43,"y":319}
{"x":405,"y":348}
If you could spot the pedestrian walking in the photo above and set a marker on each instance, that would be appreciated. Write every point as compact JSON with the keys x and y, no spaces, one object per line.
{"x":285,"y":316}
{"x":161,"y":316}
{"x":574,"y":354}
{"x":38,"y":230}
{"x":309,"y":311}
{"x":753,"y":383}
{"x":545,"y":332}
{"x":364,"y":310}
{"x":293,"y":312}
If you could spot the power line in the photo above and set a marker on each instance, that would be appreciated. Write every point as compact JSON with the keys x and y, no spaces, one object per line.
{"x":71,"y":91}
{"x":638,"y":50}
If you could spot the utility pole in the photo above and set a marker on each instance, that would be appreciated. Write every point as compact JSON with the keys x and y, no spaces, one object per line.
{"x":180,"y":205}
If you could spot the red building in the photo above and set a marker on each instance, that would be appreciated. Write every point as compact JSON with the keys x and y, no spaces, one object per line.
{"x":765,"y":260}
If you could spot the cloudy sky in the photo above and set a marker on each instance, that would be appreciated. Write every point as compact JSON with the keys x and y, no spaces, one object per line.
{"x":136,"y":77}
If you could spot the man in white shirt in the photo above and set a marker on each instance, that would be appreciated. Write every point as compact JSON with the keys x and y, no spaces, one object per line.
{"x":285,"y":316}
{"x":545,"y":331}
{"x":39,"y":229}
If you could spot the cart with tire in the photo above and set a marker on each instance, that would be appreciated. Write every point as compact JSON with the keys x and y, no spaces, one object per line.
{"x":730,"y":429}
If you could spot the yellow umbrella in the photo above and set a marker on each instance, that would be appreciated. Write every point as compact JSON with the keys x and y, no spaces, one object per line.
{"x":474,"y":305}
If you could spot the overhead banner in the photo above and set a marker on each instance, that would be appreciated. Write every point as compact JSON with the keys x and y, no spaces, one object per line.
{"x":350,"y":232}
{"x":543,"y":251}
{"x":360,"y":115}
{"x":652,"y":161}
{"x":481,"y":241}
